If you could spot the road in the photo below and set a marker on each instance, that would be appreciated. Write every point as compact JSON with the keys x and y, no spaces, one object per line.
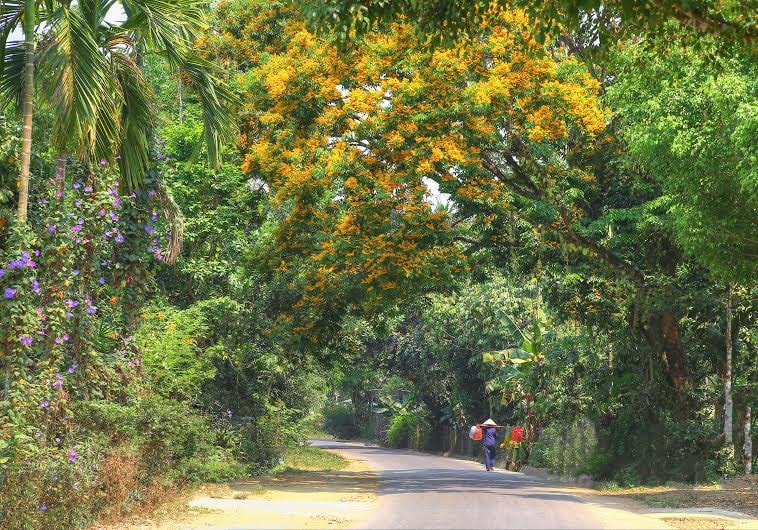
{"x":425,"y":491}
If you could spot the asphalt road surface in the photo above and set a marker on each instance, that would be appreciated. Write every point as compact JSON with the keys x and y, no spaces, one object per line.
{"x":425,"y":491}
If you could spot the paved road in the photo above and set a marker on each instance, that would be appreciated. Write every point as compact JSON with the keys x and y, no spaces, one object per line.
{"x":425,"y":491}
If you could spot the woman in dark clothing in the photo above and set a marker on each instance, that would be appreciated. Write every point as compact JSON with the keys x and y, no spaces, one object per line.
{"x":489,"y":439}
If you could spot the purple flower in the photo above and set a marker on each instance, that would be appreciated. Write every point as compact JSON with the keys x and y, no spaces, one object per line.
{"x":91,"y":310}
{"x":149,"y":229}
{"x":58,"y":382}
{"x":51,"y":228}
{"x":44,"y":404}
{"x":117,"y":202}
{"x":72,"y":368}
{"x":65,"y":337}
{"x":26,"y":340}
{"x":151,"y":193}
{"x":68,"y":314}
{"x":43,"y":507}
{"x":44,"y":201}
{"x":37,"y":252}
{"x":77,"y":185}
{"x":78,"y":203}
{"x":57,"y":440}
{"x":9,"y":293}
{"x":76,"y":228}
{"x":80,"y":221}
{"x":154,"y":216}
{"x":88,"y":189}
{"x":72,"y":303}
{"x":102,"y":212}
{"x":75,"y":485}
{"x":35,"y":286}
{"x":103,"y":162}
{"x":2,"y":273}
{"x":58,"y":340}
{"x":75,"y":272}
{"x":58,"y":194}
{"x":119,"y":238}
{"x":114,"y":217}
{"x":104,"y":263}
{"x":228,"y":413}
{"x":71,"y":455}
{"x":101,"y":281}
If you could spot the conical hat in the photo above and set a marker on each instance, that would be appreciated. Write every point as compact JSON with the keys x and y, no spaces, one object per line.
{"x":490,"y":421}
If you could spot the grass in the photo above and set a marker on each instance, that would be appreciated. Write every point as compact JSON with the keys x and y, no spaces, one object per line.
{"x":306,"y":458}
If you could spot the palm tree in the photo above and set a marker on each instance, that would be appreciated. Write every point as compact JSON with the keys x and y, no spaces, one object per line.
{"x":104,"y":108}
{"x":15,"y":15}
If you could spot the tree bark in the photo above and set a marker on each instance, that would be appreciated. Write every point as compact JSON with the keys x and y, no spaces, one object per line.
{"x":27,"y":108}
{"x":674,"y":357}
{"x":60,"y":174}
{"x":728,"y":399}
{"x":748,"y":445}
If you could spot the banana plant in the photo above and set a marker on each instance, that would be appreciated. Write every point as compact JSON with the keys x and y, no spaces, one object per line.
{"x":513,"y":365}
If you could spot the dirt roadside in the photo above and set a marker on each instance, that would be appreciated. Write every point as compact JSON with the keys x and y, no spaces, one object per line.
{"x":292,"y":499}
{"x":729,"y":505}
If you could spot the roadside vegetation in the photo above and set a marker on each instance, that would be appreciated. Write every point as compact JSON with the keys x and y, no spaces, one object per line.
{"x":225,"y":227}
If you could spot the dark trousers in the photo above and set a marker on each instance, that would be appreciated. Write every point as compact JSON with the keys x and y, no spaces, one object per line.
{"x":489,"y":456}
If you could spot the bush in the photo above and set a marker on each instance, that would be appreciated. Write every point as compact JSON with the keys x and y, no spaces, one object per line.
{"x":408,"y":429}
{"x":569,"y":450}
{"x":338,"y":421}
{"x":53,"y":489}
{"x":215,"y":467}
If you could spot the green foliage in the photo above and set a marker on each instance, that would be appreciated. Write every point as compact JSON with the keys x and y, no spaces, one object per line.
{"x":570,"y":450}
{"x":306,"y":458}
{"x":408,"y":429}
{"x":338,"y":421}
{"x":173,"y":353}
{"x":446,"y":21}
{"x":693,"y":125}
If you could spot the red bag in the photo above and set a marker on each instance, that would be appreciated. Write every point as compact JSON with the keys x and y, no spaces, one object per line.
{"x":517,"y":434}
{"x":475,"y":433}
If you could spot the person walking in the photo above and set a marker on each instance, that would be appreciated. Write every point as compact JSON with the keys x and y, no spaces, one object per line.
{"x":489,"y":438}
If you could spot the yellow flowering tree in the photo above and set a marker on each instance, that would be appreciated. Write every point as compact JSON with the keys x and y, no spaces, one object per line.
{"x":352,"y":143}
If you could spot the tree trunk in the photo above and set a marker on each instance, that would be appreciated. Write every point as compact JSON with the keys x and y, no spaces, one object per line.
{"x":60,"y":175}
{"x":30,"y":16}
{"x":728,"y":400}
{"x":748,"y":445}
{"x":674,"y":356}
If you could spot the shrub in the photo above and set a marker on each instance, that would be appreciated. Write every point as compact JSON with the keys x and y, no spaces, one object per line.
{"x":338,"y":421}
{"x":408,"y":429}
{"x":569,"y":449}
{"x":52,"y":489}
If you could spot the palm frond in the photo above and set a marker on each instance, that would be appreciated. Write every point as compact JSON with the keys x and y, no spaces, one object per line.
{"x":137,"y":119}
{"x":175,"y":220}
{"x":10,"y":18}
{"x":78,"y":81}
{"x":217,"y":101}
{"x":12,"y":74}
{"x":168,"y":26}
